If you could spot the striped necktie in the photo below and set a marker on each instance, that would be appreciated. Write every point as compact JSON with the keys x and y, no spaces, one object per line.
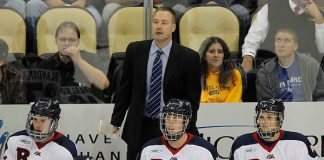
{"x":154,"y":98}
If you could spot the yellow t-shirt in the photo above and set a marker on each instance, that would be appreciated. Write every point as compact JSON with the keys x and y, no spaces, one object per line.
{"x":213,"y":93}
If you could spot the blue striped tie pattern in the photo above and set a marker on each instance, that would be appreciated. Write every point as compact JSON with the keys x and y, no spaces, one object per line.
{"x":154,"y":98}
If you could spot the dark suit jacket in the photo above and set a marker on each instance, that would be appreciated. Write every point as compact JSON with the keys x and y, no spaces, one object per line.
{"x":181,"y":80}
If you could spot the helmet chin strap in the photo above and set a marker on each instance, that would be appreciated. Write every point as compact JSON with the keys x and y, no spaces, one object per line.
{"x":173,"y":137}
{"x":267,"y":135}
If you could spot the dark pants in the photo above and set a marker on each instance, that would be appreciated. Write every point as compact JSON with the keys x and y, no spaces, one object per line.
{"x":150,"y":130}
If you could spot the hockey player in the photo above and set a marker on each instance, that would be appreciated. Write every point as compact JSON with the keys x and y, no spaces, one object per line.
{"x":175,"y":142}
{"x":269,"y":142}
{"x":3,"y":138}
{"x":40,"y":141}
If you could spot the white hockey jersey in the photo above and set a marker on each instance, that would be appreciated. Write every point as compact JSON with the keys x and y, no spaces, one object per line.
{"x":22,"y":147}
{"x":290,"y":146}
{"x":195,"y":148}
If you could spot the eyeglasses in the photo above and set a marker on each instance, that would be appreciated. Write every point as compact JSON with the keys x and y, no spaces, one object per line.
{"x":70,"y":40}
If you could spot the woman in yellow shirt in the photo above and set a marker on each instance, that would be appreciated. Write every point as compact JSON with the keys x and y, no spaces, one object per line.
{"x":221,"y":82}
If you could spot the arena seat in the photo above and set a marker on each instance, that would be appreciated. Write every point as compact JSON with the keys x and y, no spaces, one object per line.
{"x":126,"y":25}
{"x":13,"y":30}
{"x":198,"y":23}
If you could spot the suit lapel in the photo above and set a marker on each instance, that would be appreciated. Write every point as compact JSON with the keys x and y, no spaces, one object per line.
{"x":172,"y":63}
{"x":143,"y":56}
